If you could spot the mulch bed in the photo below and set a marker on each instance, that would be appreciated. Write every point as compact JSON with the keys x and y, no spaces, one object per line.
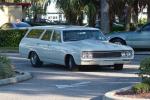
{"x":131,"y":94}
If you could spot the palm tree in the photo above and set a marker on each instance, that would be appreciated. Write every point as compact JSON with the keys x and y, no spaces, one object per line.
{"x":74,"y":10}
{"x":91,"y":10}
{"x":38,"y":7}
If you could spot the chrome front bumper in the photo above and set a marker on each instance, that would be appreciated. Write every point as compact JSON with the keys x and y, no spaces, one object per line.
{"x":104,"y":62}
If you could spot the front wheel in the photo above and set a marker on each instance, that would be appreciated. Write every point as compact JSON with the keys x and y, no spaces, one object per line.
{"x":72,"y":65}
{"x":35,"y":61}
{"x":118,"y":67}
{"x":118,"y":41}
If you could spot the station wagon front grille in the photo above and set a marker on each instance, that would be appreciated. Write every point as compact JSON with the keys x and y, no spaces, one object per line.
{"x":106,"y":54}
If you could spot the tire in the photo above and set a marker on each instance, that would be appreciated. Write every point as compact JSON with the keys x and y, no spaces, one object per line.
{"x":72,"y":65}
{"x":35,"y":61}
{"x":118,"y":67}
{"x":118,"y":41}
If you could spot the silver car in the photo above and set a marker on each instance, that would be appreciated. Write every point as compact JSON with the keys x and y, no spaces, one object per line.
{"x":72,"y":46}
{"x":137,"y":39}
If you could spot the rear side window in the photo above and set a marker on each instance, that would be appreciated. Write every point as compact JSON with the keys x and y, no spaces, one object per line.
{"x":35,"y":33}
{"x":56,"y":36}
{"x":47,"y":35}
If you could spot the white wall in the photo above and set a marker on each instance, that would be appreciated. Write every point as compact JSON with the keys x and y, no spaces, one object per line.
{"x":10,"y":13}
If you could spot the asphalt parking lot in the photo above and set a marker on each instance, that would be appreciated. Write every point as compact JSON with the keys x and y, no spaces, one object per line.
{"x":54,"y":82}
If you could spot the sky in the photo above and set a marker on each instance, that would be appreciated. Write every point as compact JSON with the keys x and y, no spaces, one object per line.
{"x":52,"y":8}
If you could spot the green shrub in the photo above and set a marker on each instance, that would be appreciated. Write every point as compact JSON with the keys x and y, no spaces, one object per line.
{"x":145,"y":70}
{"x":6,"y":70}
{"x":141,"y":88}
{"x":142,"y":21}
{"x":11,"y":38}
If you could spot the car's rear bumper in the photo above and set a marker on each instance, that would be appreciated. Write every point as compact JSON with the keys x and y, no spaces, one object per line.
{"x":104,"y":62}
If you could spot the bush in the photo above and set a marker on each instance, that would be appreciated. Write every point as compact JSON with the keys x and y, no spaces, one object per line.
{"x":6,"y":70}
{"x":145,"y":70}
{"x":141,"y":88}
{"x":11,"y":38}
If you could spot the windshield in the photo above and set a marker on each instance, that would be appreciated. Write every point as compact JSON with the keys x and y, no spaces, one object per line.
{"x":77,"y":35}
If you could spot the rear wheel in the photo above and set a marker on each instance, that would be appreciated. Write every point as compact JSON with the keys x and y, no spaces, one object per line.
{"x":35,"y":61}
{"x":118,"y":66}
{"x":71,"y":64}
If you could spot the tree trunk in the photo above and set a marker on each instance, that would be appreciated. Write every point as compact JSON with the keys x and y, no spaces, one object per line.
{"x":105,"y":16}
{"x":35,"y":17}
{"x":134,"y":14}
{"x":128,"y":18}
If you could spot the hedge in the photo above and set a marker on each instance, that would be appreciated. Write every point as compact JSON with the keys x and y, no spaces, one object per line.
{"x":11,"y":38}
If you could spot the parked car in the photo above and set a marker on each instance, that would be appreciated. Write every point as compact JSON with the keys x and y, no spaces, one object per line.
{"x":136,"y":39}
{"x":72,"y":46}
{"x":15,"y":25}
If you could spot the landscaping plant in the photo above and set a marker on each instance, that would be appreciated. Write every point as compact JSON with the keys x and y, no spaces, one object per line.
{"x":6,"y":70}
{"x":11,"y":38}
{"x":144,"y":86}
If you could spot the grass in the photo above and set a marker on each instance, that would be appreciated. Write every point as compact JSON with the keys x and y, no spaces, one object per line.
{"x":9,"y":49}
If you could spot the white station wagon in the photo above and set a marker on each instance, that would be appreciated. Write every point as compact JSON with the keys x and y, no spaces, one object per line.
{"x":72,"y":46}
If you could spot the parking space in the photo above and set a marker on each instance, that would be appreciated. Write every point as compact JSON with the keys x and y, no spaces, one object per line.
{"x":54,"y":82}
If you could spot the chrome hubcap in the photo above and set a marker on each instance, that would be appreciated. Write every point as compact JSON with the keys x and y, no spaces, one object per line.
{"x":33,"y":59}
{"x":70,"y":64}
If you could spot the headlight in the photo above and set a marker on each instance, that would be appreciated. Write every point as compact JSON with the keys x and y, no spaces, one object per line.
{"x":126,"y":54}
{"x":87,"y":55}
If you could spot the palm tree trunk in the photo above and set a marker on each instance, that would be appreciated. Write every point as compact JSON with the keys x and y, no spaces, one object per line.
{"x":105,"y":27}
{"x":128,"y":18}
{"x":135,"y":13}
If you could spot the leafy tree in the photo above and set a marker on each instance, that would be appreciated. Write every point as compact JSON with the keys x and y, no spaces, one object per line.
{"x":74,"y":10}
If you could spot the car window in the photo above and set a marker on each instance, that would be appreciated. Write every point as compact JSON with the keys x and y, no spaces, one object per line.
{"x":78,"y":35}
{"x":35,"y":33}
{"x":7,"y":25}
{"x":146,"y":28}
{"x":47,"y":35}
{"x":56,"y":36}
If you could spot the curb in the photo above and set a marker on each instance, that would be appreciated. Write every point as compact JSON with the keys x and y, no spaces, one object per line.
{"x":111,"y":95}
{"x":22,"y":77}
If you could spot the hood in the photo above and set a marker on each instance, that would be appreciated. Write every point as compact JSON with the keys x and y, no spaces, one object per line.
{"x":96,"y":45}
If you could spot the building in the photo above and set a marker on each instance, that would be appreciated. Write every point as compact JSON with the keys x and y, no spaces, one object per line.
{"x":53,"y":14}
{"x":10,"y":12}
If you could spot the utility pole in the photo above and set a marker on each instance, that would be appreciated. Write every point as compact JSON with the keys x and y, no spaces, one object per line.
{"x":105,"y":27}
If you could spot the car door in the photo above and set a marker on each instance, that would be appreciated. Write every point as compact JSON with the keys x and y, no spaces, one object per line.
{"x":45,"y":46}
{"x":57,"y":47}
{"x":140,"y":38}
{"x":145,"y":36}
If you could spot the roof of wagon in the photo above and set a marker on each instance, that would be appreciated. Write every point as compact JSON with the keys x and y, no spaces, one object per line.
{"x":63,"y":27}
